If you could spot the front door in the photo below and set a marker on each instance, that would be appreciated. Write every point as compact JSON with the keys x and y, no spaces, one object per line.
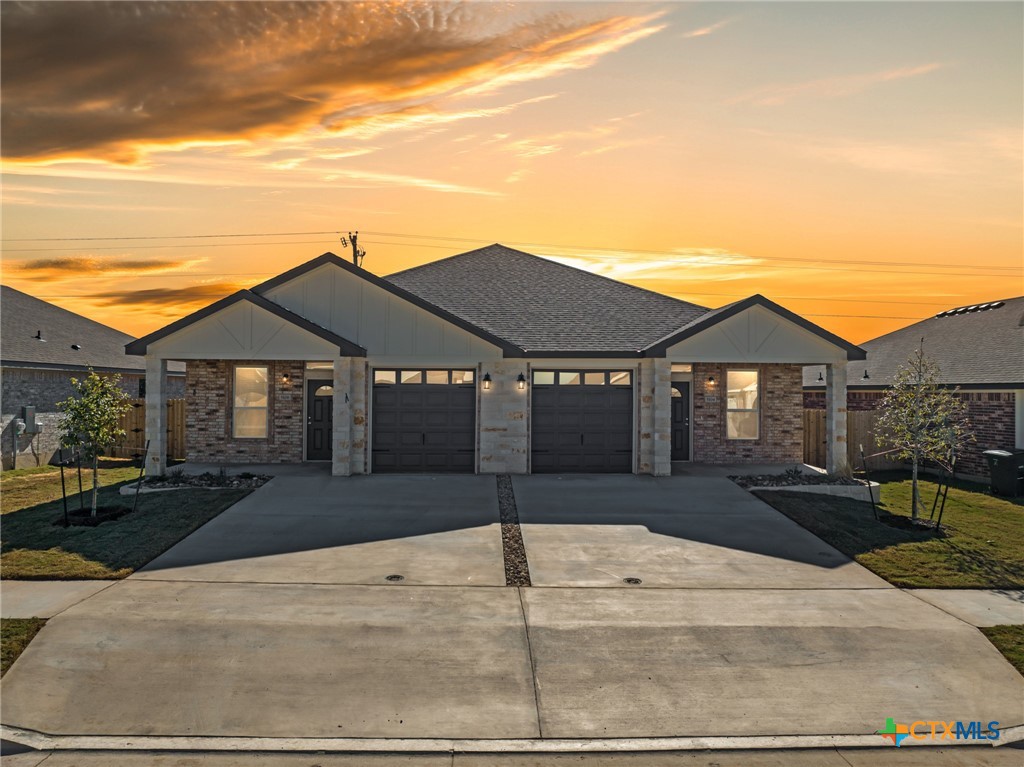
{"x":319,"y":419}
{"x":680,"y":421}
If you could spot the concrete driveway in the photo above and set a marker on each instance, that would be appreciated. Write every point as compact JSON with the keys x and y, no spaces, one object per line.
{"x":275,"y":620}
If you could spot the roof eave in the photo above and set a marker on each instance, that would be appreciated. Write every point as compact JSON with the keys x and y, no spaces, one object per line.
{"x":509,"y":349}
{"x":659,"y":348}
{"x":140,"y":346}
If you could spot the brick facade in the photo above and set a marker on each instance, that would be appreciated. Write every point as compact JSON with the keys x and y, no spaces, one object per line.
{"x":780,"y":438}
{"x":208,"y":433}
{"x":43,"y":389}
{"x":992,"y":416}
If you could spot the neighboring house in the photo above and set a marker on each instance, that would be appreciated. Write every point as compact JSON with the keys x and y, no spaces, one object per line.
{"x":489,"y":361}
{"x":978,"y":348}
{"x":42,"y":347}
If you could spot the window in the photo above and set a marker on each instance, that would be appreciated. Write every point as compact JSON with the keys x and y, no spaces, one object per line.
{"x":682,"y":367}
{"x":620,"y":378}
{"x":252,"y":396}
{"x":568,"y":379}
{"x":437,"y":376}
{"x":462,"y":376}
{"x":742,"y":416}
{"x":412,"y":376}
{"x":430,"y":377}
{"x":324,"y":391}
{"x":591,"y":379}
{"x":384,"y":377}
{"x":543,"y":377}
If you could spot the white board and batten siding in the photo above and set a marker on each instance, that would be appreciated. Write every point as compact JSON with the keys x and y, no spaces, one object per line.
{"x":756,"y":335}
{"x":243,"y":331}
{"x":384,"y":324}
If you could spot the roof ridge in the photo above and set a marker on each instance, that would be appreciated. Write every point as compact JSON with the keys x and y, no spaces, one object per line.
{"x":552,"y":262}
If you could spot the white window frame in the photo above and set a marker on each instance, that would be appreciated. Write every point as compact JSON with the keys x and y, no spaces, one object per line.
{"x":235,"y":408}
{"x":756,"y":410}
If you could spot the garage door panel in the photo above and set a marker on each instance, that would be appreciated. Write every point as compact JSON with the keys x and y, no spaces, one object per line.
{"x":424,"y":427}
{"x":582,"y":428}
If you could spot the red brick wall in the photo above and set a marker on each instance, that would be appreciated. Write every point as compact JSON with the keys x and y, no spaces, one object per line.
{"x":208,"y":391}
{"x":780,"y":438}
{"x":992,"y":417}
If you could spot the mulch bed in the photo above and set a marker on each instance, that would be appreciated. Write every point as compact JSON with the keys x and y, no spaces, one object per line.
{"x":517,"y":569}
{"x":80,"y":518}
{"x":244,"y":481}
{"x":791,"y":478}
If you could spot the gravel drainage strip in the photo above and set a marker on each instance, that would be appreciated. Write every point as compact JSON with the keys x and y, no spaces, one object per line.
{"x":517,"y":570}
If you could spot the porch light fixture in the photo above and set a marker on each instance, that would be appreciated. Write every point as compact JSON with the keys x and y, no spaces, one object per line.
{"x":286,"y":377}
{"x":711,"y":380}
{"x":821,"y":377}
{"x":487,"y":380}
{"x":866,"y":377}
{"x":522,"y":381}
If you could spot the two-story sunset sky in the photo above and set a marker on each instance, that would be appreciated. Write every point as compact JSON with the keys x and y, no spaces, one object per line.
{"x":859,"y":163}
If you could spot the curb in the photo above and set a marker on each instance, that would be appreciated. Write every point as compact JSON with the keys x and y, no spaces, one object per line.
{"x":44,"y":742}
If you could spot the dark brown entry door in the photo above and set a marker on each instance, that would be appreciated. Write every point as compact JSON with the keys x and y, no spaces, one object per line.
{"x":680,"y":421}
{"x":319,"y":420}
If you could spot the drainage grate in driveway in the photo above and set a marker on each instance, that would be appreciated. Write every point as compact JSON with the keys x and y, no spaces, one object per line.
{"x":394,"y":578}
{"x":517,"y":569}
{"x":632,"y":581}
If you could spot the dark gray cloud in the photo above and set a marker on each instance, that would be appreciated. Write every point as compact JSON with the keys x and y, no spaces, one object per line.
{"x":109,"y":80}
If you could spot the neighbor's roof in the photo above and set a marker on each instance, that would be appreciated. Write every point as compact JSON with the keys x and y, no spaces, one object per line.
{"x":22,"y":316}
{"x":981,"y":344}
{"x":543,"y":306}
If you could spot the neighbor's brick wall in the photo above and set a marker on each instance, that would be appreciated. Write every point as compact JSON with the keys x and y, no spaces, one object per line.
{"x":209,"y":401}
{"x":43,"y":389}
{"x":780,"y":438}
{"x":992,"y":416}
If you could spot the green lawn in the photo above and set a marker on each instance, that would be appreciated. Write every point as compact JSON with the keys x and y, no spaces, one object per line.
{"x":15,"y":634}
{"x":984,"y":547}
{"x":34,"y":548}
{"x":1009,"y":640}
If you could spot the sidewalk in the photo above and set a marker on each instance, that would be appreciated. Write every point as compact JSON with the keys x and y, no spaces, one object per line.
{"x":44,"y":599}
{"x":978,"y":607}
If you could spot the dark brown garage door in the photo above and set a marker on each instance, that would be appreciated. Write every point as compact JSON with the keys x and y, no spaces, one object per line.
{"x":424,"y":421}
{"x":582,"y":421}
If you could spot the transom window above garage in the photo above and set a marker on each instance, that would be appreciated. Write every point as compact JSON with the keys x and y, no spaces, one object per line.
{"x":583,"y":377}
{"x":423,"y":376}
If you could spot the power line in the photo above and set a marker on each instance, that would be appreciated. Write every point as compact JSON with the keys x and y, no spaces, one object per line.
{"x":586,"y":248}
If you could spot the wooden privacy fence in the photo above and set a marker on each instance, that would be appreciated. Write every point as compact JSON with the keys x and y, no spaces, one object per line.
{"x":134,"y":424}
{"x":860,"y":430}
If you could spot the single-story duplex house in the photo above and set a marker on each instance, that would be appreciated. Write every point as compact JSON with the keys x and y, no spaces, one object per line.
{"x":978,"y":348}
{"x":490,"y":361}
{"x":42,"y":347}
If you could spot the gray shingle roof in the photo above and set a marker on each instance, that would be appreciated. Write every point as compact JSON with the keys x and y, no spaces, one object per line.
{"x":981,"y":347}
{"x":543,"y":306}
{"x":102,"y":347}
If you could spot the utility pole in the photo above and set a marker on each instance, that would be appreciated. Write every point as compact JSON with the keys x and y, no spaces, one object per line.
{"x":357,"y":254}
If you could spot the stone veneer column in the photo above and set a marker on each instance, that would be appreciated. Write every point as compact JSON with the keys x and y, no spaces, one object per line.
{"x":645,"y":416}
{"x":341,"y":442}
{"x":503,"y":427}
{"x":156,"y":415}
{"x":836,"y":461}
{"x":358,"y":393}
{"x":662,"y":379}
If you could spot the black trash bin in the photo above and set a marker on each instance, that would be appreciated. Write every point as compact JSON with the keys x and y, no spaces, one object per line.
{"x":1006,"y":467}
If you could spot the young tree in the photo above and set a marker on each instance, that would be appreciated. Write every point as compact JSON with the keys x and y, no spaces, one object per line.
{"x":91,"y":419}
{"x":920,"y":420}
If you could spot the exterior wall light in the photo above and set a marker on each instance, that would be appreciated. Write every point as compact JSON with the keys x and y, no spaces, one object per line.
{"x":821,"y":377}
{"x":286,"y":377}
{"x":487,"y":380}
{"x":866,"y":377}
{"x":521,"y":381}
{"x":711,"y":380}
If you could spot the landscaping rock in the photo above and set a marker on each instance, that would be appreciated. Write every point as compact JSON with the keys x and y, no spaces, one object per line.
{"x":517,"y":569}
